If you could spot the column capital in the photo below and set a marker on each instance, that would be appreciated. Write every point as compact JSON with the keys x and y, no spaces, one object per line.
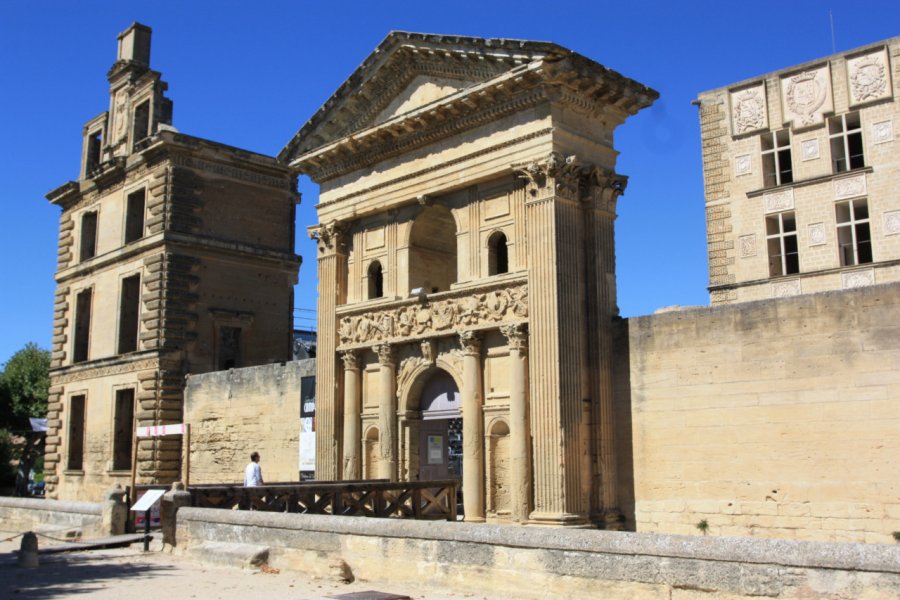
{"x":331,"y":236}
{"x":470,"y":340}
{"x":604,"y":188}
{"x":516,"y":336}
{"x":385,"y":354}
{"x":351,"y":360}
{"x":557,"y":175}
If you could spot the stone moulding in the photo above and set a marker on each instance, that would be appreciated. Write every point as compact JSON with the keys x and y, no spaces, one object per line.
{"x":482,"y":307}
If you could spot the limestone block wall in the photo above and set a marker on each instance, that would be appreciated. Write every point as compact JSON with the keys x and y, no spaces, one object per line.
{"x":540,"y":562}
{"x":776,"y":418}
{"x":234,"y":412}
{"x":18,"y":515}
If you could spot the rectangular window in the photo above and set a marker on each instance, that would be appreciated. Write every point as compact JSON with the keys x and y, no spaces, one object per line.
{"x":82,"y":326}
{"x":124,"y":430}
{"x":854,"y":236}
{"x":95,"y":142}
{"x":229,"y":350}
{"x":129,"y":313}
{"x":141,"y":122}
{"x":781,"y":238}
{"x":75,"y":460}
{"x":88,"y":247}
{"x":845,"y":135}
{"x":134,"y":217}
{"x":776,"y":158}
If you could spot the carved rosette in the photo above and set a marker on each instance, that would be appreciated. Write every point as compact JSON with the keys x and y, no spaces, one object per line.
{"x":435,"y":318}
{"x":351,"y":360}
{"x":330,"y":236}
{"x":470,"y":341}
{"x":385,"y":353}
{"x":516,"y":335}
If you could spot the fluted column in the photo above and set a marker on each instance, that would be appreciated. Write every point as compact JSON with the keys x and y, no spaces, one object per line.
{"x":387,"y":412}
{"x":329,"y":403}
{"x":519,"y":427}
{"x":351,"y":415}
{"x":473,"y":427}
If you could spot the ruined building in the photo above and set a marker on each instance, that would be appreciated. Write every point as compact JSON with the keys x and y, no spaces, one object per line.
{"x":176,"y":256}
{"x":801,"y":172}
{"x":466,"y":269}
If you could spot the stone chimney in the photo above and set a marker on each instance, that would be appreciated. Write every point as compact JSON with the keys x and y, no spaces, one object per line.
{"x":134,"y":45}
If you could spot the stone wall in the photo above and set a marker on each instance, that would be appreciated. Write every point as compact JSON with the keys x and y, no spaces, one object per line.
{"x":543,"y":562}
{"x":51,"y":517}
{"x":775,"y":418}
{"x":234,"y":412}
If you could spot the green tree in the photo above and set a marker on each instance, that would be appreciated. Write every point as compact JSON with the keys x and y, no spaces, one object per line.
{"x":24,"y":386}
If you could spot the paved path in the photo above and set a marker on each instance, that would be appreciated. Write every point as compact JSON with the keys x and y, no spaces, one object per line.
{"x":123,"y":573}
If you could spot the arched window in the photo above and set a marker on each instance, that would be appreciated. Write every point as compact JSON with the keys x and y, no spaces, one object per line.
{"x":432,"y":250}
{"x":376,"y":280}
{"x":498,"y":254}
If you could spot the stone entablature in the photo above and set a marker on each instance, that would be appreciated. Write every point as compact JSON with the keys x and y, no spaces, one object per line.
{"x":485,"y":306}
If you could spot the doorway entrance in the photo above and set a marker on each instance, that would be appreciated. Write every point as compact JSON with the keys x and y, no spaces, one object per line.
{"x":440,"y":432}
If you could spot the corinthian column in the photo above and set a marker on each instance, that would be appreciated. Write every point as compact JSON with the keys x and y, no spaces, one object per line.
{"x":519,"y":428}
{"x":351,"y":415}
{"x":387,"y":412}
{"x":473,"y":428}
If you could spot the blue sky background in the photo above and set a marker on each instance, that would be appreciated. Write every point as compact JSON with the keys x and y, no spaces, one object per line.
{"x":249,"y":74}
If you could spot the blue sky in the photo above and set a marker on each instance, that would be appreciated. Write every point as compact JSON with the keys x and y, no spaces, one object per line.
{"x":249,"y":74}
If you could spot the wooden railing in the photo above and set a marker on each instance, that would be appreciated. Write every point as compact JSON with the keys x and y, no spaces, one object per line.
{"x":368,"y":498}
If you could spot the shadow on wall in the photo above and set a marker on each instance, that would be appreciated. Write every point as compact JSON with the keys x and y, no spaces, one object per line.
{"x":624,"y":438}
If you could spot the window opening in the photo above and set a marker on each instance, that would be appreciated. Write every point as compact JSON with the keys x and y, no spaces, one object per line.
{"x":854,"y":236}
{"x":776,"y":158}
{"x":129,"y":313}
{"x":124,"y":429}
{"x":845,"y":134}
{"x":781,"y":236}
{"x":134,"y":216}
{"x":376,"y":280}
{"x":498,"y":254}
{"x":75,"y":460}
{"x":82,"y":326}
{"x":88,"y":248}
{"x":95,"y":142}
{"x":229,"y":347}
{"x":141,"y":122}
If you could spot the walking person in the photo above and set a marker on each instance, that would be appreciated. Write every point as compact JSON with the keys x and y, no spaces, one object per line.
{"x":253,"y":473}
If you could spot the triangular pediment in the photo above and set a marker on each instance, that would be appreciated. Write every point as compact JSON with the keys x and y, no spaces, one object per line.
{"x":406,"y":72}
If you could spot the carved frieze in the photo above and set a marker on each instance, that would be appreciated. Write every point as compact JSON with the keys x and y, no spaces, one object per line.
{"x":806,"y":97}
{"x":785,"y":289}
{"x":849,"y":187}
{"x":857,"y":279}
{"x":434,"y":318}
{"x":882,"y":132}
{"x":816,"y":232}
{"x":779,"y":200}
{"x":742,"y":165}
{"x":868,"y":77}
{"x":809,"y":149}
{"x":749,"y":110}
{"x":748,"y":245}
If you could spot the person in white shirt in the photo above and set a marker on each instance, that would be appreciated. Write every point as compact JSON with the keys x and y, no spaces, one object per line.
{"x":253,"y":473}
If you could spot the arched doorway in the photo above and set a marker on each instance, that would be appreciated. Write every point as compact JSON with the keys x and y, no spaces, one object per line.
{"x":440,"y":432}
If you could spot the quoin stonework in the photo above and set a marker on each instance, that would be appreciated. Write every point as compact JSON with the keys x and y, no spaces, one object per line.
{"x":801,"y":171}
{"x":176,"y":256}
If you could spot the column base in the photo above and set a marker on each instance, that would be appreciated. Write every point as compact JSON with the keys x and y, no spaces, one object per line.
{"x":559,"y":519}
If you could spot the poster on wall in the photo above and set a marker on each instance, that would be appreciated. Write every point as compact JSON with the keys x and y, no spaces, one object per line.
{"x":308,"y":404}
{"x":307,"y":451}
{"x":435,"y":449}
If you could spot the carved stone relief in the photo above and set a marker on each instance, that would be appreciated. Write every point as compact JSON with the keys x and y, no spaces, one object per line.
{"x":748,"y":109}
{"x":882,"y":132}
{"x":849,"y":187}
{"x":856,"y":279}
{"x":869,"y":77}
{"x":816,"y":233}
{"x":434,"y":318}
{"x":892,"y":222}
{"x":742,"y":165}
{"x":748,"y":245}
{"x":785,"y":289}
{"x":809,"y":149}
{"x":806,"y":97}
{"x":779,"y":201}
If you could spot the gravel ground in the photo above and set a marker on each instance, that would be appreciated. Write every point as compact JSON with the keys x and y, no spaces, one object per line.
{"x":131,"y":573}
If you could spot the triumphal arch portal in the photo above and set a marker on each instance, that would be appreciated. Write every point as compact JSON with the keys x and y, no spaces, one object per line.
{"x":467,"y":272}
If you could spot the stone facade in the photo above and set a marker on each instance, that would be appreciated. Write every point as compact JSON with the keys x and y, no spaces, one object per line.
{"x":801,"y":168}
{"x":175,"y":256}
{"x":233,"y":413}
{"x":774,"y":418}
{"x":468,"y":193}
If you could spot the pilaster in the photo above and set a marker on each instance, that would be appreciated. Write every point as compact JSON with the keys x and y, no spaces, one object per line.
{"x":519,"y":427}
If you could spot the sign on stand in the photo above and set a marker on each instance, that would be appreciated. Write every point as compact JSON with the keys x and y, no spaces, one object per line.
{"x":149,"y":499}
